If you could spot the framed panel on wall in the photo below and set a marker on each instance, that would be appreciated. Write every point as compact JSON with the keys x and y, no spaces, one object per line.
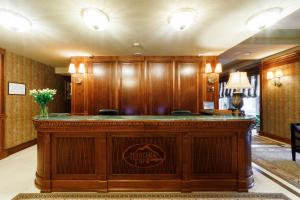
{"x":16,"y":88}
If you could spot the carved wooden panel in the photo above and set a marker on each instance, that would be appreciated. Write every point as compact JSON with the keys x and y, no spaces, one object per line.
{"x":214,"y":154}
{"x":132,"y":88}
{"x":188,"y":88}
{"x":144,"y":155}
{"x":74,"y":155}
{"x":160,"y":88}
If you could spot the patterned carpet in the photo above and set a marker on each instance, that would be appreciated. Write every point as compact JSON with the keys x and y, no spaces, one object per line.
{"x":150,"y":196}
{"x":276,"y":158}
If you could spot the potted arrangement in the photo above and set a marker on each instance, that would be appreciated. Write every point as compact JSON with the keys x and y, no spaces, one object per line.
{"x":42,"y":98}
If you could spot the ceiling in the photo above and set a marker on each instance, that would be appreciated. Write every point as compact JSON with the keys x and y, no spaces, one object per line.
{"x":58,"y":32}
{"x":285,"y":34}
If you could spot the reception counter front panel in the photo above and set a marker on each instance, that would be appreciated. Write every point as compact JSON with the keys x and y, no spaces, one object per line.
{"x":143,"y":153}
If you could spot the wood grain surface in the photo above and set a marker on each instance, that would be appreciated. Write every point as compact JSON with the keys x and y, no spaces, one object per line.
{"x":151,"y":85}
{"x":281,"y":105}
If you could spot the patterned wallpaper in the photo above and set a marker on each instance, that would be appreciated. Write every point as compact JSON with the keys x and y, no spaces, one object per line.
{"x":20,"y":109}
{"x":281,"y":105}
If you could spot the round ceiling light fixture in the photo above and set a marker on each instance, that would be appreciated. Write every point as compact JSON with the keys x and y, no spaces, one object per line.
{"x":182,"y":18}
{"x":264,"y":19}
{"x":14,"y":21}
{"x":95,"y":19}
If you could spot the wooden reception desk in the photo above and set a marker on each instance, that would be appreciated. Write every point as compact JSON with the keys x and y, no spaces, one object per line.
{"x":143,"y":153}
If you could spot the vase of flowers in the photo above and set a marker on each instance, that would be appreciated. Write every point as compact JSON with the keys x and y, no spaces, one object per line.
{"x":42,"y":98}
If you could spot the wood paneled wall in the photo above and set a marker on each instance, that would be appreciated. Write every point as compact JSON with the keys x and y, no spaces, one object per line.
{"x":280,"y":105}
{"x":149,"y":85}
{"x":1,"y":101}
{"x":19,"y":110}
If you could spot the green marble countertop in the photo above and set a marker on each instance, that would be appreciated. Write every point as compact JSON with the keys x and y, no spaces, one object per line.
{"x":68,"y":117}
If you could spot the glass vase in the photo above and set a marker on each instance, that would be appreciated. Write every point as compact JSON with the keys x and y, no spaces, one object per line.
{"x":43,"y":110}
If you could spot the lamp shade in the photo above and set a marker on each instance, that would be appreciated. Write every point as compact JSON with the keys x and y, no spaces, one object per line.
{"x":270,"y":75}
{"x":208,"y":68}
{"x":72,"y":69}
{"x":218,"y":68}
{"x":81,"y":69}
{"x":238,"y":80}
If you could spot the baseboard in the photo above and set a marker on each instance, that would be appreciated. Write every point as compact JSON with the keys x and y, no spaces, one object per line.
{"x":275,"y":137}
{"x":3,"y":154}
{"x":15,"y":149}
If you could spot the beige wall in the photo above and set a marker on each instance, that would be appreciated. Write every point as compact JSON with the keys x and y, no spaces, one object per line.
{"x":20,"y":109}
{"x":281,"y":105}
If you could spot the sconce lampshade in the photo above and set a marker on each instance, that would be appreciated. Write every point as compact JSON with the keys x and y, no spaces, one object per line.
{"x":270,"y":75}
{"x":81,"y":69}
{"x":208,"y":68}
{"x":72,"y":69}
{"x":278,"y":73}
{"x":238,"y":80}
{"x":218,"y":68}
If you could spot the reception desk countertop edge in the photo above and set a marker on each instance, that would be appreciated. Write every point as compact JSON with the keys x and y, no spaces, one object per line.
{"x":68,"y":117}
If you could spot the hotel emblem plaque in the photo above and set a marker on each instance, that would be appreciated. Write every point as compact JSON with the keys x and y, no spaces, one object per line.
{"x":144,"y":155}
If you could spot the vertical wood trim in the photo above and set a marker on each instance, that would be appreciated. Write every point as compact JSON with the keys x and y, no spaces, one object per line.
{"x":199,"y":100}
{"x":2,"y":101}
{"x":145,"y":77}
{"x":260,"y":100}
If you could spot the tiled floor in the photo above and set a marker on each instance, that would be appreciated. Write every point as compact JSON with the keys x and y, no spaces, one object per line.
{"x":17,"y":174}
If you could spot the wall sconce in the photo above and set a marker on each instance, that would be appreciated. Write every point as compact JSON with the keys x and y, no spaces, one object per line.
{"x":276,"y":77}
{"x":81,"y":70}
{"x":212,"y":76}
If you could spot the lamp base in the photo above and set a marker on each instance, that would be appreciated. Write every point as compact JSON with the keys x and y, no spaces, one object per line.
{"x":238,"y":112}
{"x":237,"y":102}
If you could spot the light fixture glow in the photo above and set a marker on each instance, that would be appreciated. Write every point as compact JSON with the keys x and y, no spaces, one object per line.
{"x":72,"y":69}
{"x":278,"y":73}
{"x":218,"y":68}
{"x":208,"y":68}
{"x":188,"y":71}
{"x":95,"y":19}
{"x":81,"y":69}
{"x":275,"y":78}
{"x":14,"y":21}
{"x":264,"y":19}
{"x":182,"y":19}
{"x":270,"y":75}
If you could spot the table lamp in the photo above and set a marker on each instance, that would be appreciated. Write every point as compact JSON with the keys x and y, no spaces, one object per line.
{"x":238,"y":81}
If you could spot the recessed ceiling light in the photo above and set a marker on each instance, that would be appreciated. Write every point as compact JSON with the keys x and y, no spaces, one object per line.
{"x":182,"y":19}
{"x":264,"y":19}
{"x":14,"y":21}
{"x":95,"y":19}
